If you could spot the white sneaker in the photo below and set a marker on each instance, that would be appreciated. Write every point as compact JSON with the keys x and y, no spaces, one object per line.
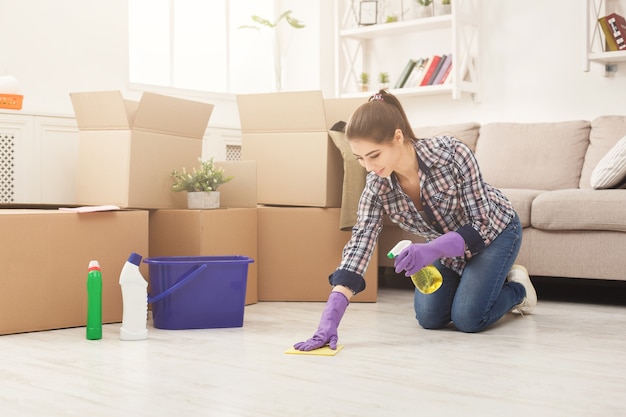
{"x":519,"y":274}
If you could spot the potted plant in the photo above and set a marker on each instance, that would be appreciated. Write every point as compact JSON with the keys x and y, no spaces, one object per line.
{"x":365,"y":79}
{"x":278,"y":50}
{"x":383,"y":79}
{"x":422,"y":8}
{"x":201,"y":184}
{"x":444,"y":7}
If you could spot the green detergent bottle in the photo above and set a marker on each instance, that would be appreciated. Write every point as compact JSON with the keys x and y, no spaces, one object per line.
{"x":428,"y":279}
{"x":94,"y":301}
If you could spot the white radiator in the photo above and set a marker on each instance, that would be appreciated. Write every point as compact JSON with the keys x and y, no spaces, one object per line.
{"x":7,"y":167}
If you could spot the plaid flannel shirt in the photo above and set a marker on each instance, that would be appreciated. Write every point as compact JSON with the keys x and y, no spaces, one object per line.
{"x":454,"y":197}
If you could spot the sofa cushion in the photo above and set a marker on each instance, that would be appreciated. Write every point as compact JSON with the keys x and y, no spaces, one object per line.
{"x":605,"y":132}
{"x":522,"y":201}
{"x":465,"y":132}
{"x":580,"y":210}
{"x":540,"y":156}
{"x":611,"y":170}
{"x":353,"y":177}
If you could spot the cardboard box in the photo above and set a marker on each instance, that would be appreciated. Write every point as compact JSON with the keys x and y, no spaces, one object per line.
{"x":240,"y":191}
{"x":287,"y":135}
{"x":214,"y":232}
{"x":299,"y":247}
{"x":127,"y":150}
{"x":44,"y":255}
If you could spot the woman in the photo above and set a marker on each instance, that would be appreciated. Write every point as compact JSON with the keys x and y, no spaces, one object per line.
{"x":432,"y":188}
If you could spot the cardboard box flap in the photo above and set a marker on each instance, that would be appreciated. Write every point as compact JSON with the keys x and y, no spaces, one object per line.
{"x":297,"y":111}
{"x":100,"y":110}
{"x":340,"y":109}
{"x":131,"y":110}
{"x":173,"y":116}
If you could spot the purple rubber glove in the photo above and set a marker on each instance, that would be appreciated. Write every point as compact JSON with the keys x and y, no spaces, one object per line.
{"x":418,"y":255}
{"x":327,"y":330}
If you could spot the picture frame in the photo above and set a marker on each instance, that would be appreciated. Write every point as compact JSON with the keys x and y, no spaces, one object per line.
{"x":368,"y":12}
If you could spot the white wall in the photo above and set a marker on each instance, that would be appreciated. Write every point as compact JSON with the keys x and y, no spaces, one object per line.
{"x":57,"y":47}
{"x":531,"y":69}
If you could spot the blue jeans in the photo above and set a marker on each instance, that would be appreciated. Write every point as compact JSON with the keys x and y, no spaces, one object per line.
{"x":480,"y":296}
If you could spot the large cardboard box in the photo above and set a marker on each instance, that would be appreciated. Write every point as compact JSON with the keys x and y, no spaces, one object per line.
{"x":287,"y":135}
{"x":44,"y":256}
{"x":128,"y":149}
{"x":231,"y":231}
{"x":299,"y":247}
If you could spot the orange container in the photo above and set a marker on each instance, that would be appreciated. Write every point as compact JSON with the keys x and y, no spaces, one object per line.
{"x":11,"y":101}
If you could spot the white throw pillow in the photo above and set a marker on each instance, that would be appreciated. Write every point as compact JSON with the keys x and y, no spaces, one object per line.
{"x":611,"y":170}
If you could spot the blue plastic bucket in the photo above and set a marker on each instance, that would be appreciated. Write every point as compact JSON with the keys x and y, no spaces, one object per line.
{"x":197,"y":292}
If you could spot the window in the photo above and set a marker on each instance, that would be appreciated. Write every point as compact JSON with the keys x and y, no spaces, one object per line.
{"x":198,"y":45}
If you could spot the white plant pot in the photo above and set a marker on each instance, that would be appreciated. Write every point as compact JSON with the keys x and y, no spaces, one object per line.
{"x":203,"y":199}
{"x":442,"y":9}
{"x":420,"y":12}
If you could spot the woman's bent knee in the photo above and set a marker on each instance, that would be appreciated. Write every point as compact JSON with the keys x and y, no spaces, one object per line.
{"x":468,"y":324}
{"x":432,"y":323}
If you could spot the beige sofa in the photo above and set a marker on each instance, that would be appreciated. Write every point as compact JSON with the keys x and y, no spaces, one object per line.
{"x":545,"y":169}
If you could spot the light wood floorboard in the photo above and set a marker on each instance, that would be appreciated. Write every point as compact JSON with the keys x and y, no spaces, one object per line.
{"x":567,"y":359}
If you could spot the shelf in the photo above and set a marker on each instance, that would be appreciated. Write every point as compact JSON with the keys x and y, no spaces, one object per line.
{"x":398,"y":28}
{"x":457,"y":33}
{"x":416,"y":91}
{"x":608,"y":57}
{"x":595,"y":37}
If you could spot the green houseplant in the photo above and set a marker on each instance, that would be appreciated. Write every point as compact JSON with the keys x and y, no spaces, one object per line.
{"x":201,"y":184}
{"x":423,"y":8}
{"x":279,"y":51}
{"x":365,"y":79}
{"x":383,"y":79}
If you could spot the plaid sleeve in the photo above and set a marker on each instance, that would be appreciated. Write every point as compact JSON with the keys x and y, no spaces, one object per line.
{"x":357,"y":252}
{"x":486,"y":216}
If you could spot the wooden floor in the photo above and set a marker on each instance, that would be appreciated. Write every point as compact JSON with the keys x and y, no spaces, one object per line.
{"x":567,"y":359}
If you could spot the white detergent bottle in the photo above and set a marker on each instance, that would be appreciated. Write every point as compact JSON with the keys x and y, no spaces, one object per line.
{"x":134,"y":299}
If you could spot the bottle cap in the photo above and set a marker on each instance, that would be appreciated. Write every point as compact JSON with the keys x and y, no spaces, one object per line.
{"x":93,"y":265}
{"x":395,"y":251}
{"x":134,"y":258}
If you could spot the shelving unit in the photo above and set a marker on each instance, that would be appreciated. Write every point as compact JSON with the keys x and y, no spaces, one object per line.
{"x":356,"y":47}
{"x":594,"y":50}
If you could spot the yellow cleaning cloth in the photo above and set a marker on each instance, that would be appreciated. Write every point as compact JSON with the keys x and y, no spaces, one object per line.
{"x":323,"y":351}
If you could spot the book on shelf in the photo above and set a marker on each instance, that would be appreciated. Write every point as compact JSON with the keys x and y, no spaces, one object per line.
{"x":405,"y":73}
{"x":447,"y":77}
{"x":430,"y":69}
{"x":443,"y":70}
{"x":418,"y":72}
{"x":431,"y":80}
{"x":614,"y":29}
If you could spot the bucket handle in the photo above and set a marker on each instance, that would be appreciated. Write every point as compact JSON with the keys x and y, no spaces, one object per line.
{"x":185,"y":278}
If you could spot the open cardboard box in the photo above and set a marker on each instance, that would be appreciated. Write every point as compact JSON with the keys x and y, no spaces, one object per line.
{"x":287,"y":135}
{"x":128,"y":149}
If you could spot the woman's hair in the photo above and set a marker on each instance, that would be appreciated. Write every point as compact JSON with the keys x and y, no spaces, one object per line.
{"x":378,"y":119}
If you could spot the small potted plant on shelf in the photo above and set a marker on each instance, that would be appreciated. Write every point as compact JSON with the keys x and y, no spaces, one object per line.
{"x":365,"y":79}
{"x":423,"y":8}
{"x":383,"y":79}
{"x":201,"y":184}
{"x":444,"y":7}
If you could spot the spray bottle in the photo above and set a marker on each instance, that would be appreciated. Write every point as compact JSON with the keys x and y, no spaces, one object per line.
{"x":134,"y":299}
{"x":428,"y":279}
{"x":94,"y":301}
